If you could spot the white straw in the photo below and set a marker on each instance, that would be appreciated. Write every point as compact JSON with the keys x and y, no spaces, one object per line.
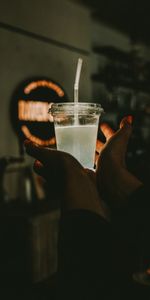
{"x":77,"y":78}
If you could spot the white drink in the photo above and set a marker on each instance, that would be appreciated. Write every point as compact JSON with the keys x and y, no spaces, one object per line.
{"x":79,"y":141}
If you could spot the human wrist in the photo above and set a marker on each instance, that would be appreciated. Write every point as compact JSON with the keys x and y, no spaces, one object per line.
{"x":125,"y":185}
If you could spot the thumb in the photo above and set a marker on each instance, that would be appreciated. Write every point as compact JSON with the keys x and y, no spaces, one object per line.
{"x":126,"y":121}
{"x":121,"y":137}
{"x":126,"y":129}
{"x":124,"y":132}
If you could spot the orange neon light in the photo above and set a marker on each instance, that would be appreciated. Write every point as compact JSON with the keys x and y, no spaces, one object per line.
{"x":33,"y":111}
{"x":43,"y":83}
{"x":34,"y":139}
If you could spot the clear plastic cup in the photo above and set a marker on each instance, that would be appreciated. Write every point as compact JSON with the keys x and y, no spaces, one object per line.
{"x":76,"y":126}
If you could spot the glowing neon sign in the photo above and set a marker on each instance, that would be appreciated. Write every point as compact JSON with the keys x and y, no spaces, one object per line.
{"x":33,"y":111}
{"x":29,"y":109}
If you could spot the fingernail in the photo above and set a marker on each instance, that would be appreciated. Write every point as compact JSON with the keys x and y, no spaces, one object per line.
{"x":129,"y":119}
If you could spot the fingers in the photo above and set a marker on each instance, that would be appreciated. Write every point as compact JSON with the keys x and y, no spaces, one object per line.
{"x":51,"y":157}
{"x":126,"y":128}
{"x":36,"y":151}
{"x":107,"y":130}
{"x":39,"y":168}
{"x":99,"y":146}
{"x":121,"y":137}
{"x":48,"y":161}
{"x":126,"y":121}
{"x":52,"y":141}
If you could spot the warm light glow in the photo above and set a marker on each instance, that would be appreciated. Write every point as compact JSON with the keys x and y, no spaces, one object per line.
{"x":33,"y":110}
{"x":148,"y":271}
{"x":147,"y":110}
{"x":43,"y":83}
{"x":34,"y":139}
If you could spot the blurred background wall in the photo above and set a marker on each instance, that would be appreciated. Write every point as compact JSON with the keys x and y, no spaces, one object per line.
{"x":45,"y":38}
{"x":41,"y":39}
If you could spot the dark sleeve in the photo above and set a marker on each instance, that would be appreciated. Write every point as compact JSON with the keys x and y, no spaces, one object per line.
{"x":90,"y":264}
{"x":133,"y":225}
{"x":85,"y":257}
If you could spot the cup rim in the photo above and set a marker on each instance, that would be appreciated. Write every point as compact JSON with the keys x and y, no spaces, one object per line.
{"x":55,"y":108}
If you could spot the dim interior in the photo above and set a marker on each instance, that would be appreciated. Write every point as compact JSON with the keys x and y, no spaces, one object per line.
{"x":40,"y":46}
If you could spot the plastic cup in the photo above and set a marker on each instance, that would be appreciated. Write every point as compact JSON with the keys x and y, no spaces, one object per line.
{"x":76,"y":127}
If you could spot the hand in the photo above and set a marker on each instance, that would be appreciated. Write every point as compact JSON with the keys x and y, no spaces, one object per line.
{"x":114,"y":181}
{"x":67,"y":179}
